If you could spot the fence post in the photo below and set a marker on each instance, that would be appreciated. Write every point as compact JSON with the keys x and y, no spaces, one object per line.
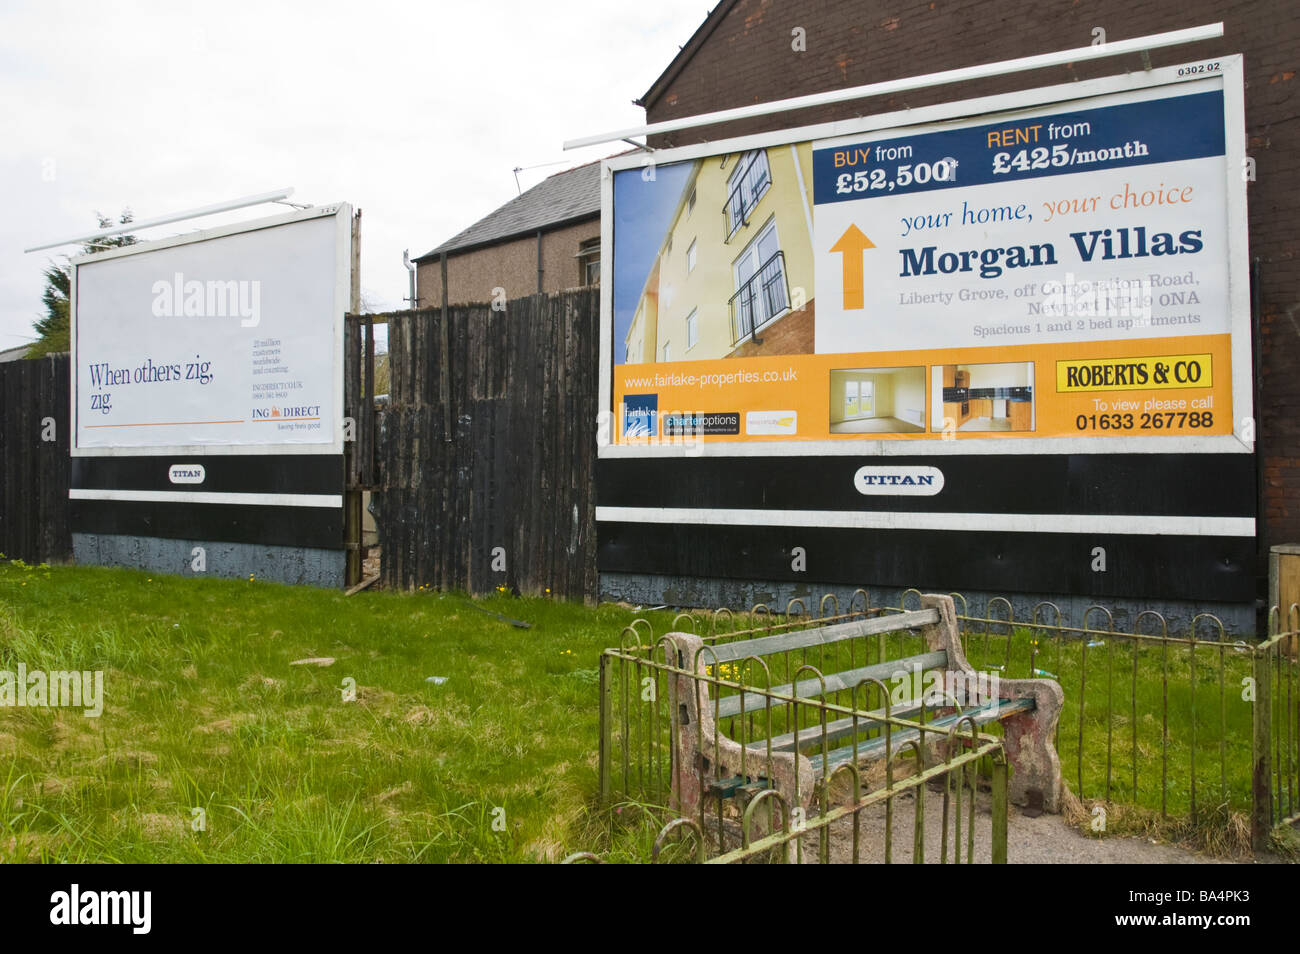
{"x":1261,"y":816}
{"x":999,"y":835}
{"x":606,"y":729}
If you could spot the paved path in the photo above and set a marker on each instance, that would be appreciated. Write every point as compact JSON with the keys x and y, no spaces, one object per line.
{"x":1046,"y":839}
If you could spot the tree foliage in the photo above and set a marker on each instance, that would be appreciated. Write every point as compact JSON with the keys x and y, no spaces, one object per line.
{"x":54,"y":326}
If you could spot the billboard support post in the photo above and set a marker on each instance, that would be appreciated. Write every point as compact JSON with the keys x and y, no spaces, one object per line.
{"x":365,"y":405}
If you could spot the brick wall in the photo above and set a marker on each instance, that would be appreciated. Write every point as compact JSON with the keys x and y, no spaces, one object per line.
{"x":748,"y":58}
{"x":793,"y":334}
{"x":512,"y":265}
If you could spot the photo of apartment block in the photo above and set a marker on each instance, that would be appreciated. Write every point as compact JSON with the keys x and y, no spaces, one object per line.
{"x":734,"y":274}
{"x":983,"y":397}
{"x":877,"y":400}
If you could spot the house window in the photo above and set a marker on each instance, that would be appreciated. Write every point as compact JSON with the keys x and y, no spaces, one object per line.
{"x":691,"y":258}
{"x":748,"y":183}
{"x":589,"y":262}
{"x":692,"y":329}
{"x":667,"y":353}
{"x":690,"y":203}
{"x":761,"y":291}
{"x":859,"y":398}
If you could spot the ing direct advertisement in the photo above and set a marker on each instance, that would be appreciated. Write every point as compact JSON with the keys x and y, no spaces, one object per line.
{"x":231,"y":340}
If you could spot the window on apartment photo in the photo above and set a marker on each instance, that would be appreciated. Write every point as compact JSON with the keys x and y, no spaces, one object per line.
{"x":748,"y":182}
{"x":761,"y":293}
{"x":589,"y":262}
{"x":690,"y":203}
{"x":692,"y":329}
{"x":859,"y":398}
{"x":667,"y":352}
{"x":691,"y":257}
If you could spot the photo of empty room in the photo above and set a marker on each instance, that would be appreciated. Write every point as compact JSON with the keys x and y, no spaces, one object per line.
{"x":877,"y":400}
{"x":983,"y":397}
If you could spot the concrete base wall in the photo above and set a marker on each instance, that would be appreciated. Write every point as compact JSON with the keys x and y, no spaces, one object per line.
{"x":278,"y":564}
{"x":1239,"y":619}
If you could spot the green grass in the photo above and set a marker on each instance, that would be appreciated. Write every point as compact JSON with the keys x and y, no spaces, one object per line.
{"x":204,"y":711}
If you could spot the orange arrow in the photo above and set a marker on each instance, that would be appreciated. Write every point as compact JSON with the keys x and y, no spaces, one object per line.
{"x":851,"y":245}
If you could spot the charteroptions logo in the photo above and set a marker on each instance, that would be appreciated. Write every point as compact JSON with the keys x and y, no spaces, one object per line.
{"x":684,"y":423}
{"x":641,"y":415}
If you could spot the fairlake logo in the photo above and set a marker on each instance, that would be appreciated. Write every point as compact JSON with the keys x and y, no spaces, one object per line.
{"x":641,"y":415}
{"x":74,"y":906}
{"x":212,"y":299}
{"x":55,"y":689}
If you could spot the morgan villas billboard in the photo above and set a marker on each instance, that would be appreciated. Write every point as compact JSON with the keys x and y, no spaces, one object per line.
{"x":974,"y":346}
{"x":207,"y":400}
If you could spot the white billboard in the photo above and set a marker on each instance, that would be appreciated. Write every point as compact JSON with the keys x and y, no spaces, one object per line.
{"x":227,"y":341}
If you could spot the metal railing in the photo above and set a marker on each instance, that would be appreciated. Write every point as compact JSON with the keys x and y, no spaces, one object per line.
{"x":745,"y":195}
{"x":1182,"y":722}
{"x":763,"y":297}
{"x":736,"y":808}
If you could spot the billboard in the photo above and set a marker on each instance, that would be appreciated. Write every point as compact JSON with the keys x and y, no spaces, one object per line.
{"x":994,"y":345}
{"x":207,"y":401}
{"x":228,"y":339}
{"x":1045,"y":267}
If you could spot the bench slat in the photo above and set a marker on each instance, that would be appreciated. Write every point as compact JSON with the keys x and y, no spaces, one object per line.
{"x":844,"y":728}
{"x":839,"y":729}
{"x":876,"y":747}
{"x":821,"y":636}
{"x":811,"y":688}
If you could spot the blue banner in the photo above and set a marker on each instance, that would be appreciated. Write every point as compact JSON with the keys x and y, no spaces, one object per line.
{"x":1110,"y":137}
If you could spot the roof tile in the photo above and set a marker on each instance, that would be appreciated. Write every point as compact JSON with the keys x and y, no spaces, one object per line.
{"x":568,"y":195}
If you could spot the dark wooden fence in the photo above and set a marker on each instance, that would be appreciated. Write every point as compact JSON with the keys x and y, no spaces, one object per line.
{"x":35,"y":470}
{"x":483,"y":458}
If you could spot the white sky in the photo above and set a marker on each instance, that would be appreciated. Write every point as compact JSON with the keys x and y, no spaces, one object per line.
{"x":414,"y":112}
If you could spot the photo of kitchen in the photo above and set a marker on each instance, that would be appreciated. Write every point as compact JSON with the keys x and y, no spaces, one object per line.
{"x":877,"y":400}
{"x":984,"y":397}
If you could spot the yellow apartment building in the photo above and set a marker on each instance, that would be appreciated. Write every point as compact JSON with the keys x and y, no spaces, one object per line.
{"x":734,"y":275}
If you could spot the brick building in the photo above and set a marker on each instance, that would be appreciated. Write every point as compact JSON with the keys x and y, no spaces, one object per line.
{"x":753,"y":51}
{"x":545,"y":240}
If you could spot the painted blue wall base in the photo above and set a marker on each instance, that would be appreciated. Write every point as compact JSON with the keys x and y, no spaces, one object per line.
{"x":652,"y":590}
{"x":278,"y":564}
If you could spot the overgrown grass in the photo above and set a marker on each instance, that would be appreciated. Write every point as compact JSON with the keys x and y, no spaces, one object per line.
{"x":204,"y":711}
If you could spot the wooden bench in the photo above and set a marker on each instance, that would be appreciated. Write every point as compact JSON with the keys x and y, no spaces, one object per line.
{"x":710,"y":762}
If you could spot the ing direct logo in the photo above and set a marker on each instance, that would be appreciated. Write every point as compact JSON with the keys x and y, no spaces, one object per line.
{"x":298,"y":413}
